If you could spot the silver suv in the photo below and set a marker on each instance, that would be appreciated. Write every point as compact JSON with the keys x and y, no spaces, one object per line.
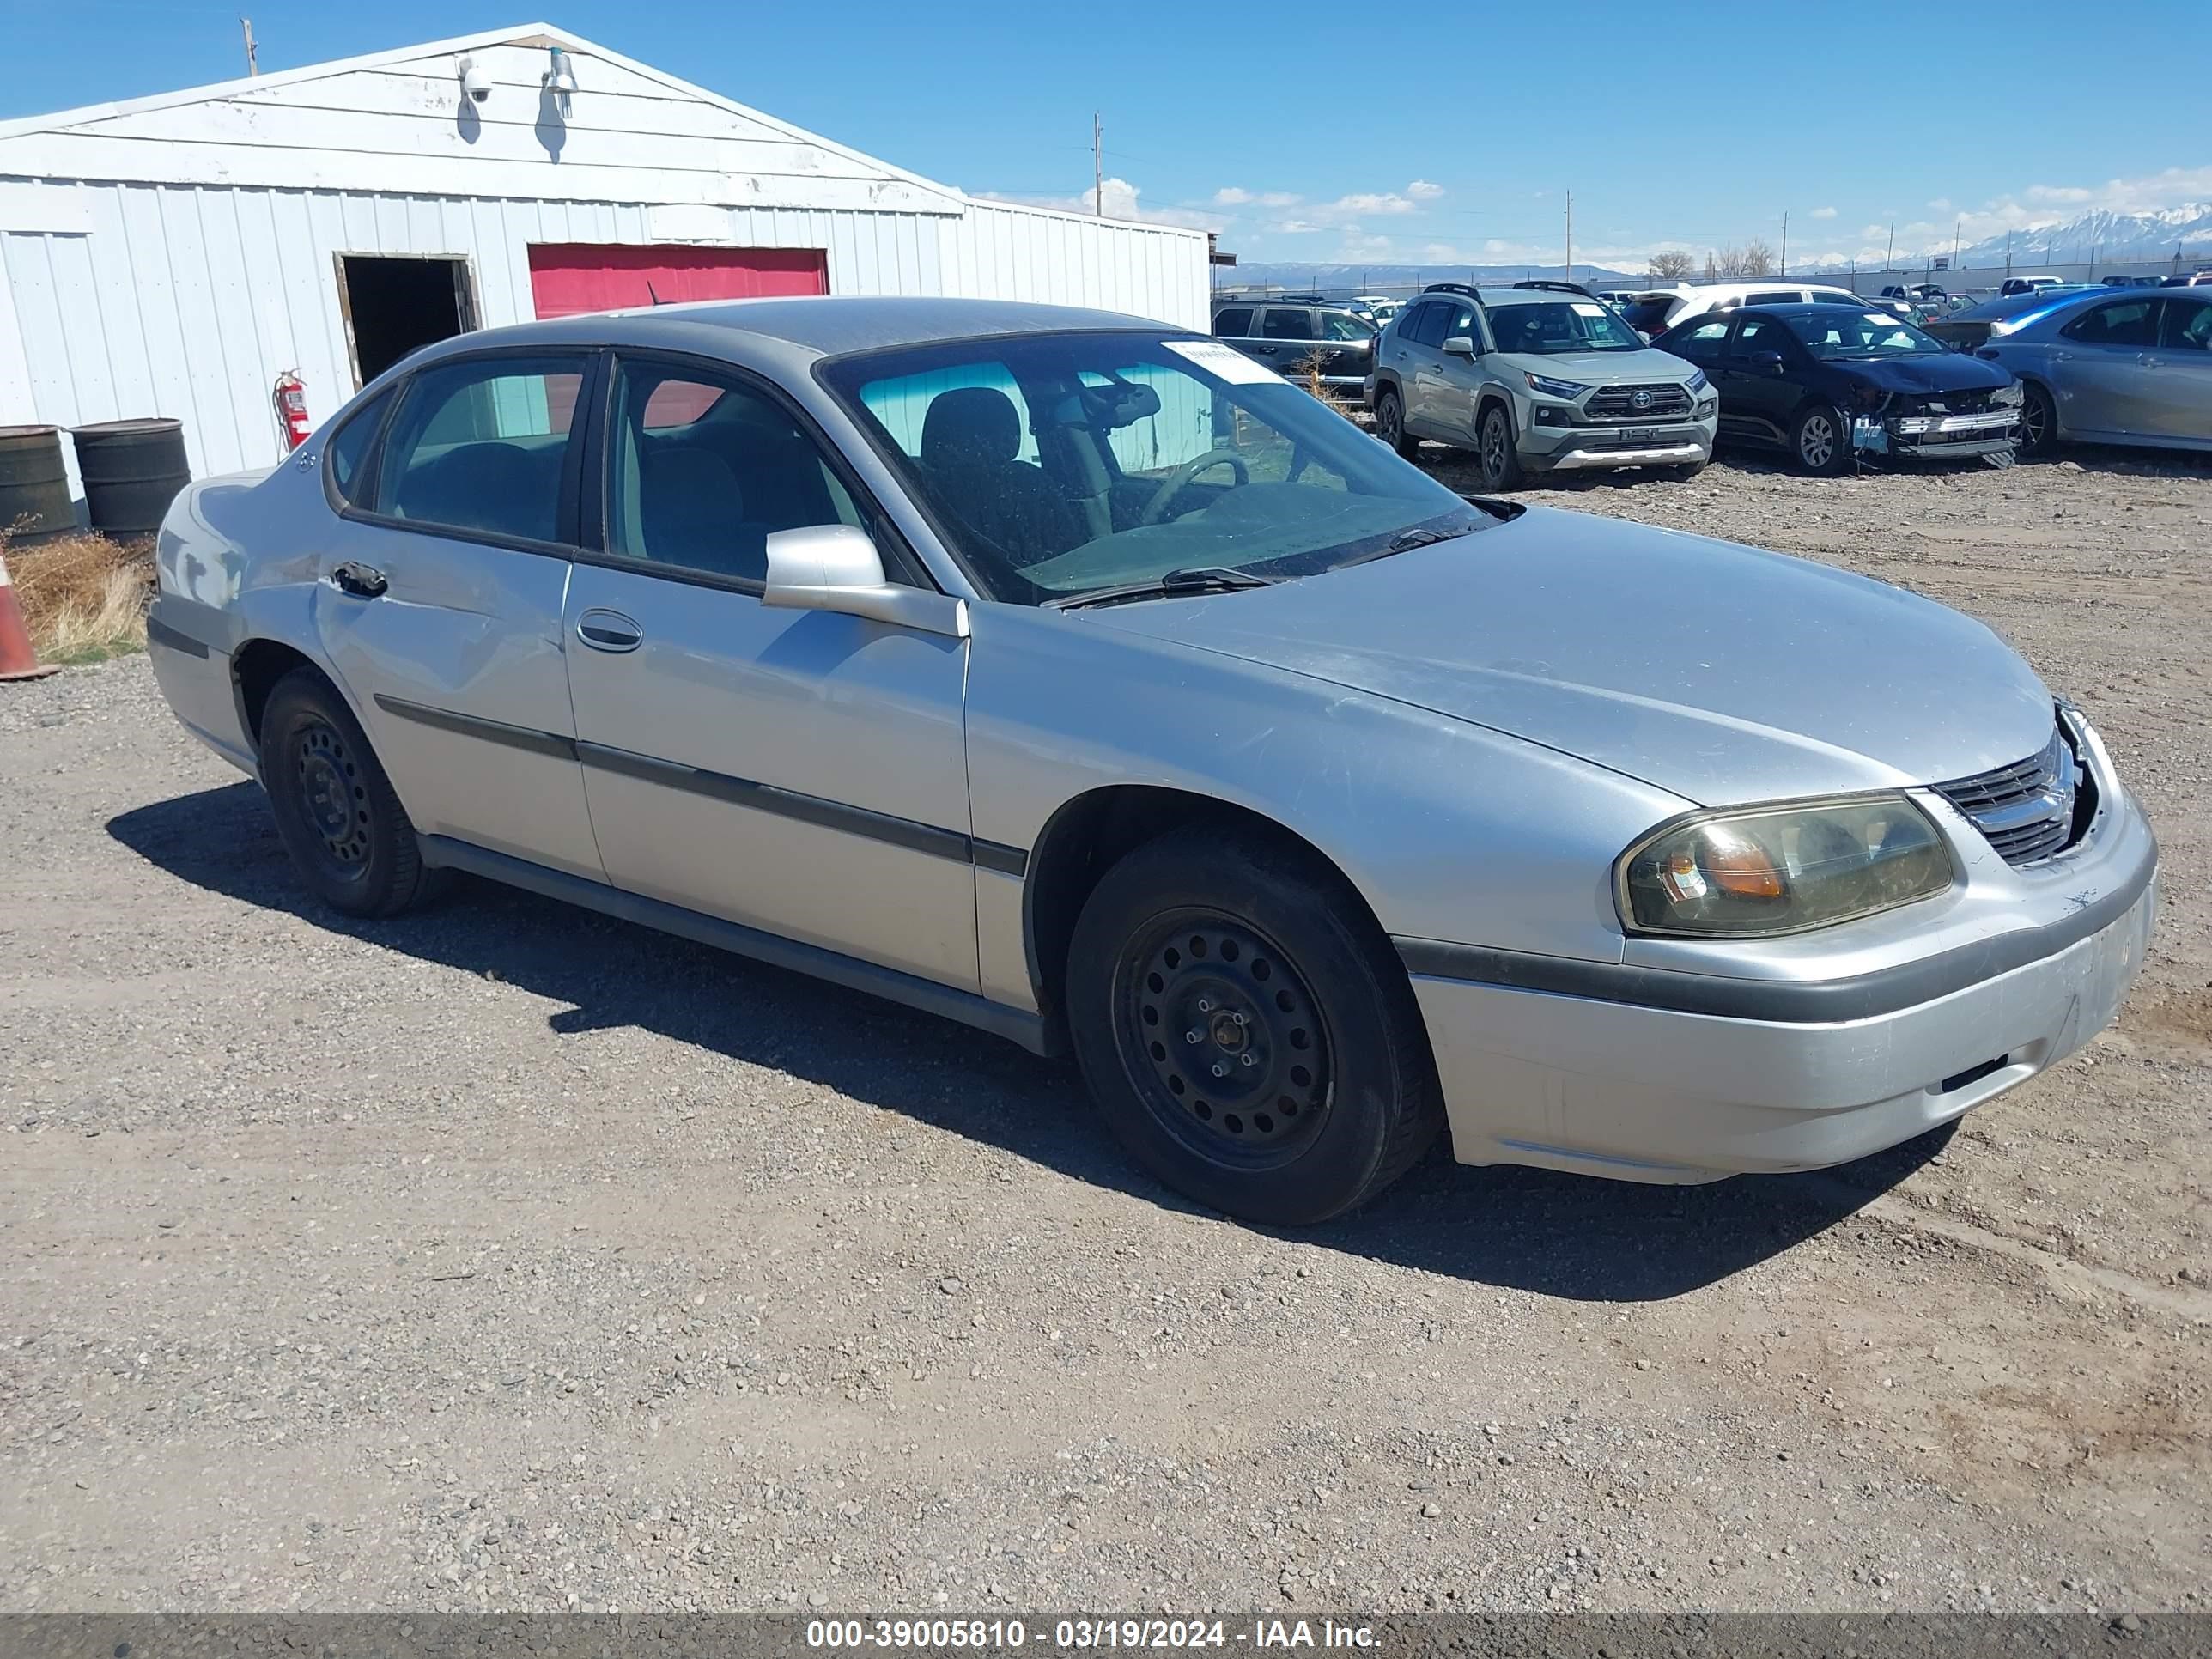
{"x":1537,"y":377}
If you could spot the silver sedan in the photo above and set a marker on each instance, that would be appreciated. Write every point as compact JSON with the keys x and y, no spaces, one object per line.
{"x":1078,"y":678}
{"x":2131,"y":366}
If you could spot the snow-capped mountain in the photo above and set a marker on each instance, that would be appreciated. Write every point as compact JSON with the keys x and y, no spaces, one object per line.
{"x":2104,"y":236}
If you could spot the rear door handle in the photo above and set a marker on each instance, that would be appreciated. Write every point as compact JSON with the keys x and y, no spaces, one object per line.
{"x":609,"y":630}
{"x":361,"y":580}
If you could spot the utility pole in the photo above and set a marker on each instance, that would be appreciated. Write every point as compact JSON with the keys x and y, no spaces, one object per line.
{"x":1957,"y":225}
{"x":1097,"y":171}
{"x":253,"y":65}
{"x":1889,"y":259}
{"x":2008,"y":256}
{"x":1784,"y":271}
{"x":1570,"y":236}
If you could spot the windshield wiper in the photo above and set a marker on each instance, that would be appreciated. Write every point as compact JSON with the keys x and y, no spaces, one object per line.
{"x":1206,"y":578}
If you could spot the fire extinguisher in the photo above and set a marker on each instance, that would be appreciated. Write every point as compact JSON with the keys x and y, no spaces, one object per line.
{"x":292,"y":408}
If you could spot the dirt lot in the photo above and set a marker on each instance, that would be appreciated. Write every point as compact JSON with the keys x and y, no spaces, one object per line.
{"x":507,"y":1257}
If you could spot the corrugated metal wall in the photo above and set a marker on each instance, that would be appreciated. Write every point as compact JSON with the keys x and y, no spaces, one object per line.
{"x":189,"y":301}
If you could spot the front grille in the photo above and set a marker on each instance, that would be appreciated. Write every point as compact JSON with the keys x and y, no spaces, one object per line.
{"x":1957,"y":402}
{"x":1618,"y":402}
{"x":2025,"y":811}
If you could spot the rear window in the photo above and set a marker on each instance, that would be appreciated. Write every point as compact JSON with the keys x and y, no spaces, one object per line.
{"x":1648,"y":316}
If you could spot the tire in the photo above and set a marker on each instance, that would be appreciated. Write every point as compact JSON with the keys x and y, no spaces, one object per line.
{"x":1496,"y":452}
{"x":1686,"y":471}
{"x":1391,"y":422}
{"x":348,"y":837}
{"x":2039,"y":421}
{"x":1821,"y":441}
{"x":1246,"y":1031}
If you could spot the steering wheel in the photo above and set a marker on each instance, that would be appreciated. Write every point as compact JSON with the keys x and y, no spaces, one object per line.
{"x":1179,"y":480}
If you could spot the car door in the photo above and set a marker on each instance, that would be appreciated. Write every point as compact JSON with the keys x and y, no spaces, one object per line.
{"x":1350,"y":350}
{"x":1417,"y":336}
{"x":1705,"y":345}
{"x":440,"y":604}
{"x":2100,"y":373}
{"x":1288,"y":336}
{"x":801,"y":772}
{"x":1764,"y":394}
{"x":1459,"y":380}
{"x":2177,"y":381}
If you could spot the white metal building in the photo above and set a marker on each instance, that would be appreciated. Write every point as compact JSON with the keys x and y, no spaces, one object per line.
{"x":173,"y":255}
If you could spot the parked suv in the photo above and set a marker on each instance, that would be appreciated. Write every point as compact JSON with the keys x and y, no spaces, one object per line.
{"x":1286,"y":334}
{"x":1537,"y":380}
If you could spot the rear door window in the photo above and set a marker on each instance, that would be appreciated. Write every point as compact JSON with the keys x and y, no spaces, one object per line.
{"x":1234,"y":324}
{"x":1427,"y":327}
{"x":348,"y":448}
{"x":481,"y":446}
{"x":1283,"y":323}
{"x":2121,"y":323}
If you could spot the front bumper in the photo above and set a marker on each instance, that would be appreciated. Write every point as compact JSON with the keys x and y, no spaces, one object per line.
{"x":1641,"y":1092}
{"x":1670,"y":441}
{"x":1939,"y":437}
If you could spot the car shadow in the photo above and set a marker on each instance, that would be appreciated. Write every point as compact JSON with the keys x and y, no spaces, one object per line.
{"x":1556,"y":1235}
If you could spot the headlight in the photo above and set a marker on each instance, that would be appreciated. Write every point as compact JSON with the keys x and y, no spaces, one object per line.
{"x":1782,"y":869}
{"x":1552,"y":388}
{"x":2005,"y":396}
{"x":1696,"y":383}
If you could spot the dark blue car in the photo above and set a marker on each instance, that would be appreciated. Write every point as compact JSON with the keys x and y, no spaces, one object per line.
{"x":1829,"y":385}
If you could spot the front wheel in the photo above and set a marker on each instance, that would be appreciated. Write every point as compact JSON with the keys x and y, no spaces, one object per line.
{"x":1821,"y":441}
{"x":1496,"y":451}
{"x":1246,"y":1030}
{"x":2038,"y":421}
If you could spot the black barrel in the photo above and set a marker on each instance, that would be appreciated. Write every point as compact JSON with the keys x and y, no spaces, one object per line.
{"x":34,"y":492}
{"x":132,"y":470}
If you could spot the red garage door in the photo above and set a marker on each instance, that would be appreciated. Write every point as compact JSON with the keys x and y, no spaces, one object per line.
{"x":568,"y":278}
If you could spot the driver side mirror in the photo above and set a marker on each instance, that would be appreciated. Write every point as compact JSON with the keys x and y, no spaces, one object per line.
{"x":1461,"y":346}
{"x":1766,"y":362}
{"x":834,"y":566}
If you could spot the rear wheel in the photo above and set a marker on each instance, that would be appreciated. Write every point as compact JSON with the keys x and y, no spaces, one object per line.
{"x":336,"y":815}
{"x":1821,"y":441}
{"x":2038,"y":421}
{"x":1497,"y":452}
{"x":1246,"y":1031}
{"x":1391,"y":422}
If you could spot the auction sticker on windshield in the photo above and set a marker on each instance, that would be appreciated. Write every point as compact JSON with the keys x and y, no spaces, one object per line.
{"x":1584,"y":308}
{"x":1226,"y":361}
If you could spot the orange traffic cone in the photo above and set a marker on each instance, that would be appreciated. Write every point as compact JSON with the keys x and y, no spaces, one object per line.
{"x":18,"y":661}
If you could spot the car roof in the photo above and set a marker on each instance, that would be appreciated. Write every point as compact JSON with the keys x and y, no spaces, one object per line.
{"x":817,"y":324}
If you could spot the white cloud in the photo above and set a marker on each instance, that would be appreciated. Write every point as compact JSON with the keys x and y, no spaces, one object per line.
{"x":1823,"y":213}
{"x":1237,"y":195}
{"x":1422,"y":190}
{"x":1119,"y":198}
{"x":1294,"y":227}
{"x":1385,"y":202}
{"x":1941,"y":204}
{"x":1279,"y":198}
{"x":1232,"y":196}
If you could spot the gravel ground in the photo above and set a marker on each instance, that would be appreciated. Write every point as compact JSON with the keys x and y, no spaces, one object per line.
{"x":507,"y":1257}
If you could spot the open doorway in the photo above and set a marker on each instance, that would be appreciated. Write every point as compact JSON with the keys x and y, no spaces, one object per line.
{"x":393,"y":304}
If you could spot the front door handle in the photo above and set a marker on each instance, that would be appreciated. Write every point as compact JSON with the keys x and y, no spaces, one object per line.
{"x":363,"y":582}
{"x":609,"y":630}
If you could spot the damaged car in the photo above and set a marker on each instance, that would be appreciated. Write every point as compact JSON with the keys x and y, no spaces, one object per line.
{"x":1832,"y":385}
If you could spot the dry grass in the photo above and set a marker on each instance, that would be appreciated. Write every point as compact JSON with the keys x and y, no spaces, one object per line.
{"x":84,"y":596}
{"x":1312,"y":367}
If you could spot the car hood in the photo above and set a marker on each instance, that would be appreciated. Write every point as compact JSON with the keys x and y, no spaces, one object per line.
{"x":1938,"y":371}
{"x":1598,"y":367}
{"x":1721,"y":674}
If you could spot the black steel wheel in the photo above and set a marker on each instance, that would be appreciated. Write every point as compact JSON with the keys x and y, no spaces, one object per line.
{"x":1223,"y":1038}
{"x":1391,"y":422}
{"x":1245,"y":1028}
{"x":336,"y":810}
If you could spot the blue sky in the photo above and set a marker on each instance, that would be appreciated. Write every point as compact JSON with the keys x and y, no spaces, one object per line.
{"x":1342,"y":133}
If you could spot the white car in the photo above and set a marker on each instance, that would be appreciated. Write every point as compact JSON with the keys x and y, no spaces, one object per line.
{"x":1652,"y":312}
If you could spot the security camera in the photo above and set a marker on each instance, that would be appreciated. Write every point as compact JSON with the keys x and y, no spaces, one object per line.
{"x":474,"y":80}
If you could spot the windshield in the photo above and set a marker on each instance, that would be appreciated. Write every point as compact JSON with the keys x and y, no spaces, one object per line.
{"x":1550,"y":328}
{"x":1061,"y":464}
{"x":1860,"y":334}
